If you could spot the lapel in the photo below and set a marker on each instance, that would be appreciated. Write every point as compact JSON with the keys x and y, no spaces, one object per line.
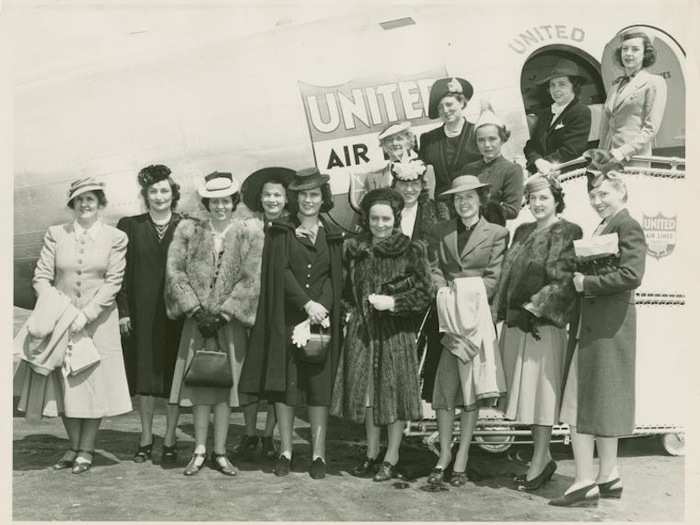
{"x":561,"y":115}
{"x":615,"y":221}
{"x":478,"y":236}
{"x":638,"y":82}
{"x":450,"y":240}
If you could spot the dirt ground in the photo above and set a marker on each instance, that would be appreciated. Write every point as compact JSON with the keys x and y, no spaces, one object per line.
{"x":118,"y":489}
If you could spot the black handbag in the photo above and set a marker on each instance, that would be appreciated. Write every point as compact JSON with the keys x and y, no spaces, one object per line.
{"x":316,"y":348}
{"x":209,"y":367}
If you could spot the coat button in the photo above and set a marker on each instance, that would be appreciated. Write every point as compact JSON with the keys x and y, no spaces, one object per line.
{"x":77,"y":294}
{"x":80,"y":272}
{"x":308,"y":266}
{"x":78,"y":283}
{"x":308,"y":286}
{"x":308,"y":275}
{"x":80,"y":261}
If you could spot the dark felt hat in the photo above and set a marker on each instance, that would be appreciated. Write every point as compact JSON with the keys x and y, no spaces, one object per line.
{"x":149,"y":175}
{"x":384,"y":195}
{"x":308,"y":179}
{"x":253,"y":184}
{"x":447,"y":86}
{"x":564,"y":68}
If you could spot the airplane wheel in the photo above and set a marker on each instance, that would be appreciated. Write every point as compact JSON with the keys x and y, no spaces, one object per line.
{"x":495,"y":444}
{"x":674,"y":443}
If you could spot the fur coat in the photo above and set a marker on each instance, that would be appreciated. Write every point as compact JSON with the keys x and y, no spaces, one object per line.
{"x":379,"y":352}
{"x":194,"y":279}
{"x":538,"y":269}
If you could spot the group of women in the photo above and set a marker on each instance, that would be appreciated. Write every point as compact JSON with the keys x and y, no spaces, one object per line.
{"x":306,"y":315}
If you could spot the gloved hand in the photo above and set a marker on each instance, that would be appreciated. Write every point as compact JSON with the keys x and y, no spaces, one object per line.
{"x":206,"y":323}
{"x":528,"y":323}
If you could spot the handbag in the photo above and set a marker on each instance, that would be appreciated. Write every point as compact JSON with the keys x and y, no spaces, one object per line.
{"x":316,"y":348}
{"x":209,"y":367}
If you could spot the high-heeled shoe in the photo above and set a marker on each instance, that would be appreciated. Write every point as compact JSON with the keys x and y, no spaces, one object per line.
{"x":192,"y":467}
{"x":143,"y":453}
{"x":168,"y":457}
{"x":367,"y":468}
{"x":437,"y":476}
{"x":221,"y":463}
{"x":611,"y":489}
{"x":81,"y":464}
{"x":385,"y":472}
{"x":543,"y":477}
{"x":62,"y":463}
{"x":583,"y":497}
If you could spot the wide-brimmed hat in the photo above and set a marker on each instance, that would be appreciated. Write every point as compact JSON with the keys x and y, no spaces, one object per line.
{"x":308,"y":179}
{"x":218,"y":184}
{"x":253,"y":184}
{"x":83,"y":185}
{"x":447,"y":86}
{"x":393,"y":129}
{"x":465,"y":183}
{"x":563,"y":68}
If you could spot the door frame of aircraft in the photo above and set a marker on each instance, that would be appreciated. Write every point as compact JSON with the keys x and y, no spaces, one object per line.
{"x":591,"y":68}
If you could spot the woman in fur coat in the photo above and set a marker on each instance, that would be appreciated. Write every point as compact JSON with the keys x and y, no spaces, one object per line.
{"x":388,"y":284}
{"x":213,"y":278}
{"x":535,"y":298}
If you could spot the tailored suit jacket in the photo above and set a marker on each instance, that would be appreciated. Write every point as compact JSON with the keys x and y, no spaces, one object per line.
{"x":560,"y":140}
{"x":632,"y":116}
{"x":482,"y":256}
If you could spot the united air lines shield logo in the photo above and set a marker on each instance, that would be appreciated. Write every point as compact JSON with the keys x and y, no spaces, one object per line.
{"x":660,"y":233}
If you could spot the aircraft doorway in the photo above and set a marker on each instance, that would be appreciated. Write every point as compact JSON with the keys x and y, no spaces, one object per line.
{"x":541,"y":62}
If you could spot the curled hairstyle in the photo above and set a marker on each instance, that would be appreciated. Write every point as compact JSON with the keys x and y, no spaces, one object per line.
{"x":235,"y":199}
{"x":576,"y":83}
{"x":99,"y":195}
{"x":558,"y":194}
{"x":408,"y":133}
{"x":387,"y":196}
{"x":150,"y":175}
{"x":649,"y":49}
{"x":503,"y":131}
{"x":326,"y":194}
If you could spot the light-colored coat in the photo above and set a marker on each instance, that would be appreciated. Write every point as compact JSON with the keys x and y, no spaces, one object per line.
{"x":90,"y":272}
{"x":632,"y":117}
{"x":192,"y":278}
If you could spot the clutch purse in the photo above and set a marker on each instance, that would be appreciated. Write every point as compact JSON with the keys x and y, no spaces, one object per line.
{"x":316,"y":348}
{"x":209,"y":367}
{"x":598,"y":255}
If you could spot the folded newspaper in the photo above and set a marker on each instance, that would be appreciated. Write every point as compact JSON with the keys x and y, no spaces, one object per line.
{"x":597,"y":247}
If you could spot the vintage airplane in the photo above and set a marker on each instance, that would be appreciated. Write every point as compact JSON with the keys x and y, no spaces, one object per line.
{"x":106,"y":92}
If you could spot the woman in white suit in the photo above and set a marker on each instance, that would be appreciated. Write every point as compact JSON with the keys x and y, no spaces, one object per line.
{"x":85,"y":260}
{"x":636,"y":101}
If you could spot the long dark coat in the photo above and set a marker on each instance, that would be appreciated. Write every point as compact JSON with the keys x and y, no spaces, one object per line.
{"x":607,"y":336}
{"x":151,"y":348}
{"x":272,"y":370}
{"x":433,"y":151}
{"x":538,"y":269}
{"x":380,"y":347}
{"x":562,"y":140}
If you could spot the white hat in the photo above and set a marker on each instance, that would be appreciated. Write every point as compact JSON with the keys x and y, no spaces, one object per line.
{"x":80,"y":186}
{"x":218,"y":184}
{"x":488,"y":116}
{"x":394,"y":129}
